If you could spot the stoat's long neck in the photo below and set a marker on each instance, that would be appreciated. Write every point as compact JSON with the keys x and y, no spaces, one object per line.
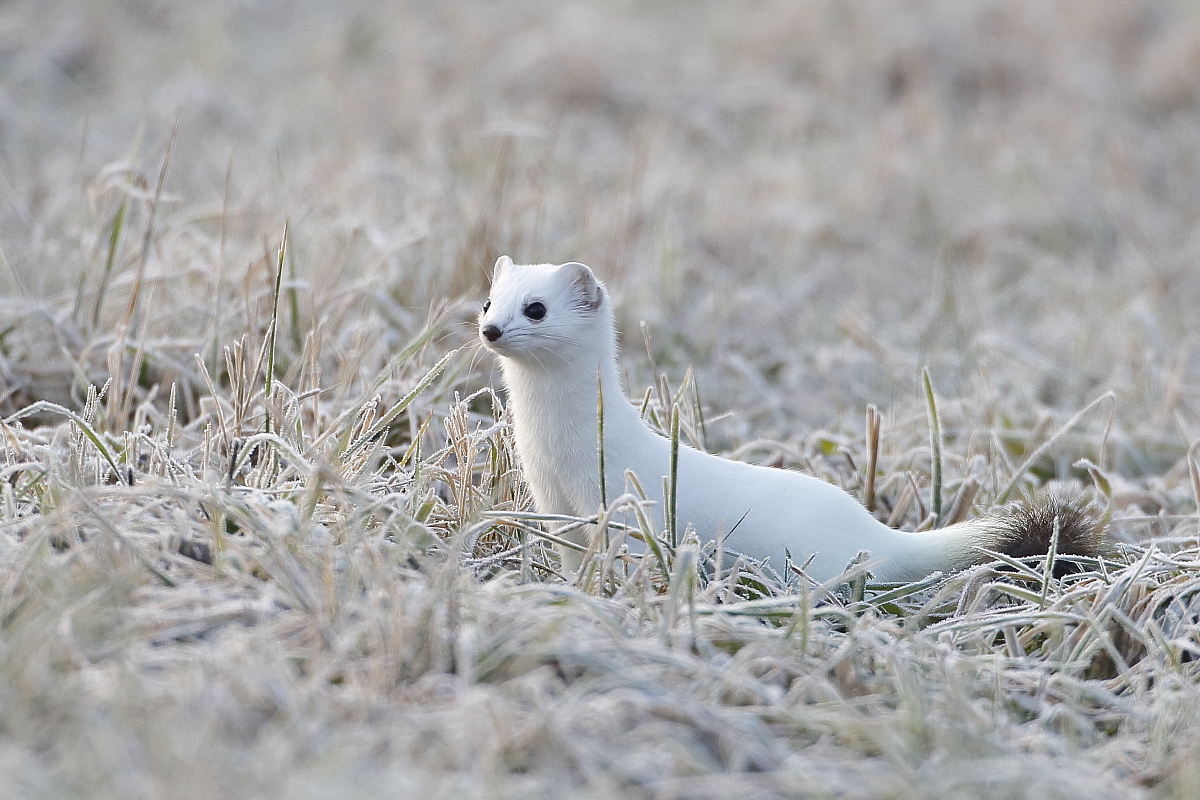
{"x":554,"y":404}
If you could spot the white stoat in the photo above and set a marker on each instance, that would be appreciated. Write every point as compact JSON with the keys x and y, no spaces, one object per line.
{"x":552,"y":326}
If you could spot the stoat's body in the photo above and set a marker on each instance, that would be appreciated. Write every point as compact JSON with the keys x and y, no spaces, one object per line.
{"x":552,"y":326}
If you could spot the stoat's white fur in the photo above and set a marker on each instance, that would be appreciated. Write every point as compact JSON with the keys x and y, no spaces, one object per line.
{"x":550,"y":368}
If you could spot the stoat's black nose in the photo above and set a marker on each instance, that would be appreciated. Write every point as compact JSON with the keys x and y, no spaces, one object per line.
{"x":490,"y":332}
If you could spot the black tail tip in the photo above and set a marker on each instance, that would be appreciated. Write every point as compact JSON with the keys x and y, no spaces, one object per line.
{"x":1026,"y":528}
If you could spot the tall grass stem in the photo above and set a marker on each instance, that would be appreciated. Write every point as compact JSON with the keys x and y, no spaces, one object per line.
{"x":935,"y":449}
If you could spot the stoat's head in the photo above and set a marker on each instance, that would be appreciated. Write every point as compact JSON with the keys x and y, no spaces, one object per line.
{"x":544,"y":313}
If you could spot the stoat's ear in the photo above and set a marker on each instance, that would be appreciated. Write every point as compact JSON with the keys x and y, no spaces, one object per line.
{"x":588,"y":292}
{"x":502,"y":263}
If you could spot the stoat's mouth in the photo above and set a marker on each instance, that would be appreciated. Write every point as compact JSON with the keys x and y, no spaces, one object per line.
{"x":497,"y":345}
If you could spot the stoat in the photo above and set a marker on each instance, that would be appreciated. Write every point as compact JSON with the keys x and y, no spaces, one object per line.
{"x":553,"y":328}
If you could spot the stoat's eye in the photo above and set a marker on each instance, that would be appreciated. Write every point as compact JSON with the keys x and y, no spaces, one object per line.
{"x":535,"y":310}
{"x":486,"y":306}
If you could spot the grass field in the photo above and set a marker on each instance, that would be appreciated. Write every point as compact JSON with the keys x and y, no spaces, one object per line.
{"x":262,"y":531}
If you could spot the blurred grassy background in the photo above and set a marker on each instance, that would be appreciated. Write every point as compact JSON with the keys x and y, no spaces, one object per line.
{"x":806,"y":201}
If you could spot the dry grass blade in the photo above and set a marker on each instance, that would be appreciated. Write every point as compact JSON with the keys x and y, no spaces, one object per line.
{"x":273,"y":328}
{"x":935,"y":449}
{"x":1194,"y":474}
{"x":130,"y":318}
{"x":114,"y":240}
{"x":398,"y":407}
{"x":1048,"y":568}
{"x":672,"y":493}
{"x":1007,"y":491}
{"x":873,"y":424}
{"x":600,"y":440}
{"x":43,"y":406}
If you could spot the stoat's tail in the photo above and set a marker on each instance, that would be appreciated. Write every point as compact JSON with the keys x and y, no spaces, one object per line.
{"x":1028,"y":528}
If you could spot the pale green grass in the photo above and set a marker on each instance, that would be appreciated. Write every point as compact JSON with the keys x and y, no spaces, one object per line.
{"x":262,"y":531}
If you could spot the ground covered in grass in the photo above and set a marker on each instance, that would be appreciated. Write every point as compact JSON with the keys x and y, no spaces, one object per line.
{"x":262,"y":529}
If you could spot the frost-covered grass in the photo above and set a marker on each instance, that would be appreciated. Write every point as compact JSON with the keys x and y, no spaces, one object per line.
{"x":261,"y":528}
